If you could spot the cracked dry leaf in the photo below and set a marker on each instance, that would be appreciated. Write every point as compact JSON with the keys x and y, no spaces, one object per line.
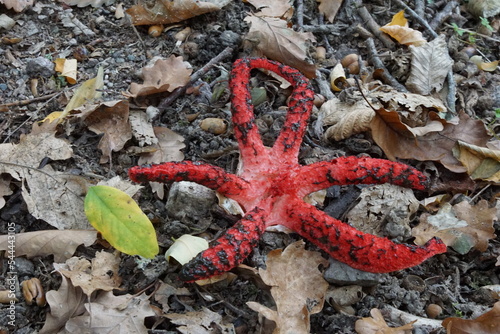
{"x":62,"y":244}
{"x":272,"y":37}
{"x":384,"y":210}
{"x":111,"y":119}
{"x":56,"y":198}
{"x":200,"y":322}
{"x":142,"y":129}
{"x":461,"y":226}
{"x":108,"y":313}
{"x":329,"y":8}
{"x":399,"y":29}
{"x":126,"y":186}
{"x":32,"y":149}
{"x":281,"y":9}
{"x":172,"y":11}
{"x":484,"y":324}
{"x":17,"y":5}
{"x":377,"y":325}
{"x":162,"y":75}
{"x":481,"y":162}
{"x":297,"y":286}
{"x":430,"y":65}
{"x":100,"y":274}
{"x":65,"y":303}
{"x":427,"y":142}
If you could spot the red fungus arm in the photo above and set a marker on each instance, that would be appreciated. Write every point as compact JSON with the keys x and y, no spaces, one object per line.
{"x":207,"y":175}
{"x":359,"y":250}
{"x":287,"y":145}
{"x":229,"y":250}
{"x":354,"y":170}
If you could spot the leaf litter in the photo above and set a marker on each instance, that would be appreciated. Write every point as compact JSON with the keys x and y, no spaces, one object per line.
{"x":464,"y":150}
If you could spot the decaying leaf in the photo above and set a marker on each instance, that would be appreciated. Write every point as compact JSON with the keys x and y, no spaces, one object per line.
{"x":204,"y":321}
{"x":481,"y":162}
{"x":376,"y":324}
{"x":484,"y":324}
{"x":281,"y":9}
{"x":126,"y":186}
{"x":162,"y":75}
{"x":85,"y":3}
{"x":168,"y":11}
{"x":272,"y":37}
{"x":100,"y":274}
{"x":56,"y":198}
{"x":30,"y":151}
{"x":329,"y":8}
{"x":484,"y":66}
{"x":430,"y":65}
{"x":65,"y":303}
{"x":461,"y":226}
{"x":111,"y":119}
{"x":62,"y":244}
{"x":67,"y":68}
{"x":337,"y":77}
{"x":17,"y":5}
{"x":297,"y":286}
{"x":164,"y":292}
{"x":108,"y":313}
{"x":427,"y":143}
{"x":399,"y":30}
{"x":89,"y":91}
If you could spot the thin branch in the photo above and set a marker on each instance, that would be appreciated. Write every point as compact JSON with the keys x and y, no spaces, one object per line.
{"x":374,"y":27}
{"x":377,"y":63}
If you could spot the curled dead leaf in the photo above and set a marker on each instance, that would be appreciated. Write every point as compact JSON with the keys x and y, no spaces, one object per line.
{"x":481,"y":162}
{"x":461,"y":226}
{"x":399,"y":30}
{"x":346,"y":119}
{"x":377,"y":324}
{"x":273,"y":38}
{"x":33,"y":291}
{"x":162,"y":75}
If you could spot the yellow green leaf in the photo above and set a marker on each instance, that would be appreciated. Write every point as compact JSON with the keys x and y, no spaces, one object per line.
{"x":185,"y":248}
{"x":120,"y":221}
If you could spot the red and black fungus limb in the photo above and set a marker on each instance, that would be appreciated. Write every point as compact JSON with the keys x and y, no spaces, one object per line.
{"x":229,"y":250}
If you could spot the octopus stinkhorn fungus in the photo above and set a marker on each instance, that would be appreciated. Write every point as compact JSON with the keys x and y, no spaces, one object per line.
{"x":272,"y":184}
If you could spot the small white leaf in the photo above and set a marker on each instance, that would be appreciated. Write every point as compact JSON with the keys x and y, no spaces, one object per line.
{"x":185,"y":248}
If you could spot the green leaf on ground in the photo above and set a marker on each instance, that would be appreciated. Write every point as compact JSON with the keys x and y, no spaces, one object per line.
{"x":120,"y":221}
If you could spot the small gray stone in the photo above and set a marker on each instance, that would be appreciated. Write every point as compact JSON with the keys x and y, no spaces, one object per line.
{"x":341,"y":274}
{"x":40,"y":66}
{"x":3,"y":87}
{"x":24,"y":267}
{"x":6,"y":22}
{"x":189,"y":200}
{"x":230,"y":38}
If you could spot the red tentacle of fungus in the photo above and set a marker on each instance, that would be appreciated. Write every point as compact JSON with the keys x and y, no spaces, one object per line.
{"x":272,"y":185}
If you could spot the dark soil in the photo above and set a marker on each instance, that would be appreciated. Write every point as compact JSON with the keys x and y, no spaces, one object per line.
{"x":452,"y":280}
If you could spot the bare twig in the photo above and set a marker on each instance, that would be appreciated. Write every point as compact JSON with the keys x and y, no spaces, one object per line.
{"x":386,"y":77}
{"x":29,"y":101}
{"x":374,"y":27}
{"x":197,"y":75}
{"x":325,"y":28}
{"x":443,"y":15}
{"x":419,"y":7}
{"x":300,"y":14}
